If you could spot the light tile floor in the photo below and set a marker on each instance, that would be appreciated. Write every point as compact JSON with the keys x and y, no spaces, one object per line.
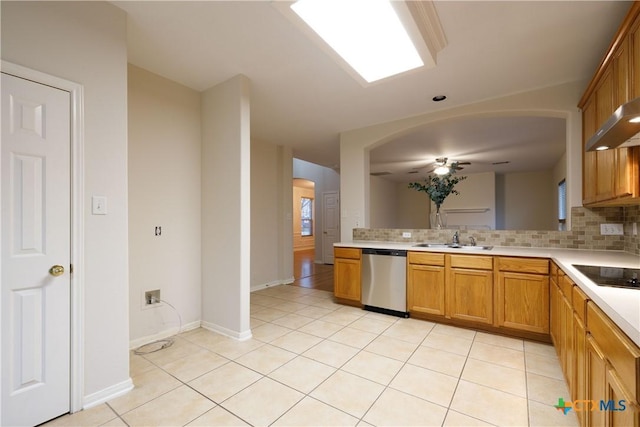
{"x":312,"y":362}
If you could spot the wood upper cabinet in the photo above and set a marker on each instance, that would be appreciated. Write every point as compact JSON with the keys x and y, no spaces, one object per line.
{"x":522,"y":294}
{"x":470,"y":288}
{"x":426,"y":283}
{"x":347,"y":274}
{"x":610,"y":177}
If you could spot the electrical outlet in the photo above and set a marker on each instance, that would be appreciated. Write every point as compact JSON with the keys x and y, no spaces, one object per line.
{"x":611,"y":229}
{"x":406,"y":234}
{"x":634,"y":229}
{"x":152,"y":297}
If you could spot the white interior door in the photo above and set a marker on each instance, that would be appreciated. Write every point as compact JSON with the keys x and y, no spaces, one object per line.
{"x":36,"y":221}
{"x":331,"y":220}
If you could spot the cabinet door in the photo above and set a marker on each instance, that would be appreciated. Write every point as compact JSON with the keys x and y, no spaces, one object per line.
{"x":578,"y":390}
{"x":346,"y":279}
{"x":595,"y":370}
{"x":554,"y":314}
{"x":589,"y":169}
{"x":470,"y":295}
{"x":567,"y":353}
{"x":620,"y":62}
{"x":606,"y":173}
{"x":634,"y":59}
{"x":624,"y":411}
{"x":523,"y":301}
{"x":605,"y":160}
{"x":425,"y":289}
{"x":626,"y":172}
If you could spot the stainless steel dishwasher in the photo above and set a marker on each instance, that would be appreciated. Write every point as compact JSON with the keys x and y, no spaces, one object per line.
{"x":384,"y":281}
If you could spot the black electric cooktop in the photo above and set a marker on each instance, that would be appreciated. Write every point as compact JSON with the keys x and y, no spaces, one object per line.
{"x":611,"y":276}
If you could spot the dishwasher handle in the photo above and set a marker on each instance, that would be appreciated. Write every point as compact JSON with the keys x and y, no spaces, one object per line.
{"x":384,"y":252}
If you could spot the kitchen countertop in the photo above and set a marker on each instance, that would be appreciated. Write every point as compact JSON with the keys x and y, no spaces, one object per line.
{"x":621,"y":305}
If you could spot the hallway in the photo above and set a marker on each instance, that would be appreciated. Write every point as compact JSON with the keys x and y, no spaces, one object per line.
{"x":308,"y":274}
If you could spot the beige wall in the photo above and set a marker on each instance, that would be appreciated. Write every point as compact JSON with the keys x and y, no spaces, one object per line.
{"x":85,"y":42}
{"x":226,"y":208}
{"x":271,"y":212}
{"x":529,"y":205}
{"x":413,"y":208}
{"x":164,"y":190}
{"x":383,"y":202}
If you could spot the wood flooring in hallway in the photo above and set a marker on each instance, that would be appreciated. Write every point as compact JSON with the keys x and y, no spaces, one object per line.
{"x":308,"y":274}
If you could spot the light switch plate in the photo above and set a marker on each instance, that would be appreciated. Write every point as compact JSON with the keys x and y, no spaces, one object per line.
{"x":99,"y":205}
{"x":611,"y":230}
{"x":406,"y":234}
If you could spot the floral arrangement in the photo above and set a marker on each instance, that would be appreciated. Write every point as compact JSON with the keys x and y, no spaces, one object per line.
{"x":438,"y":187}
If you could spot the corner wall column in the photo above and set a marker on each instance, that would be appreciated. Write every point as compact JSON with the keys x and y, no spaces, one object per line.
{"x":226,"y":213}
{"x":354,"y":185}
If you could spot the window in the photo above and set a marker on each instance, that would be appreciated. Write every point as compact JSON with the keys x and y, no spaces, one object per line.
{"x":306,"y":216}
{"x":562,"y":204}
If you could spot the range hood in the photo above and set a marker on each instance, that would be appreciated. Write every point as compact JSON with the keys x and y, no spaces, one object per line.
{"x":618,"y":130}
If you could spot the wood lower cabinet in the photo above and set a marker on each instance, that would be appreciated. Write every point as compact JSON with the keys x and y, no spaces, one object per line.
{"x":578,"y":392}
{"x":426,"y":283}
{"x":595,"y":370}
{"x":522,"y":294}
{"x":347,"y":274}
{"x":470,"y":288}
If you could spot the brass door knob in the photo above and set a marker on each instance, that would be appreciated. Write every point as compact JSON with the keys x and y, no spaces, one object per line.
{"x":56,"y":270}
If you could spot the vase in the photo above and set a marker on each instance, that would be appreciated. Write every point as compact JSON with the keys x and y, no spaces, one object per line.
{"x":438,"y":219}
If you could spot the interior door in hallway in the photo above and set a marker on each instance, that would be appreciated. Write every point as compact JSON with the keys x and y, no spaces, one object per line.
{"x":331,"y":220}
{"x":35,"y":253}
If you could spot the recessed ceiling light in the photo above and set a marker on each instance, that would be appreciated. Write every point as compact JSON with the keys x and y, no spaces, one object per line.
{"x":602,"y":148}
{"x":439,"y":98}
{"x":367,"y":34}
{"x":635,"y":120}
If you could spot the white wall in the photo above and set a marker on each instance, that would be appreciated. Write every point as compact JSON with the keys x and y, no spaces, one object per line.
{"x":383,"y":203}
{"x":226,"y":208}
{"x":85,"y":42}
{"x":271,"y":209}
{"x":164,"y":190}
{"x":325,"y":179}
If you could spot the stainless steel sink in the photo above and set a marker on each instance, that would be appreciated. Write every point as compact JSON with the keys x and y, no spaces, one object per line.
{"x":433,"y":245}
{"x":453,"y":246}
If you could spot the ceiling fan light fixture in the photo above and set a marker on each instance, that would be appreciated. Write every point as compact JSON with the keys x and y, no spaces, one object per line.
{"x":441,"y":170}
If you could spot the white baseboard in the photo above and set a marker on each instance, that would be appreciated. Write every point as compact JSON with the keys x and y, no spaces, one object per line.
{"x":271,"y":284}
{"x":162,"y":335}
{"x":240,"y":336}
{"x":106,"y":394}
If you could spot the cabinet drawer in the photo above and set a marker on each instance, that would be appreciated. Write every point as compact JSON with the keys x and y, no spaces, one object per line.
{"x":352,"y":253}
{"x":426,"y":258}
{"x":618,"y":349}
{"x":580,"y":299}
{"x":472,"y":261}
{"x":523,"y":265}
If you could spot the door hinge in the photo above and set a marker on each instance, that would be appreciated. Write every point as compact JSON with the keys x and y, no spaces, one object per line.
{"x":71,"y":269}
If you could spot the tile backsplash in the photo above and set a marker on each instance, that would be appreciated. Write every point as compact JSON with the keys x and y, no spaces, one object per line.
{"x":585,"y":233}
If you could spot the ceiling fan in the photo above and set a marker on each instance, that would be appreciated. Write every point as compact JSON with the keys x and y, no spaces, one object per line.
{"x":443,"y":166}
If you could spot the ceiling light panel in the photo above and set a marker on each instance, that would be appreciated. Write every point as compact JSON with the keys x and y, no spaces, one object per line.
{"x":367,"y":34}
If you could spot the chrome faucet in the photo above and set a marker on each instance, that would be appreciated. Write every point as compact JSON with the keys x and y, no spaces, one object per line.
{"x":456,"y":238}
{"x":473,"y":240}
